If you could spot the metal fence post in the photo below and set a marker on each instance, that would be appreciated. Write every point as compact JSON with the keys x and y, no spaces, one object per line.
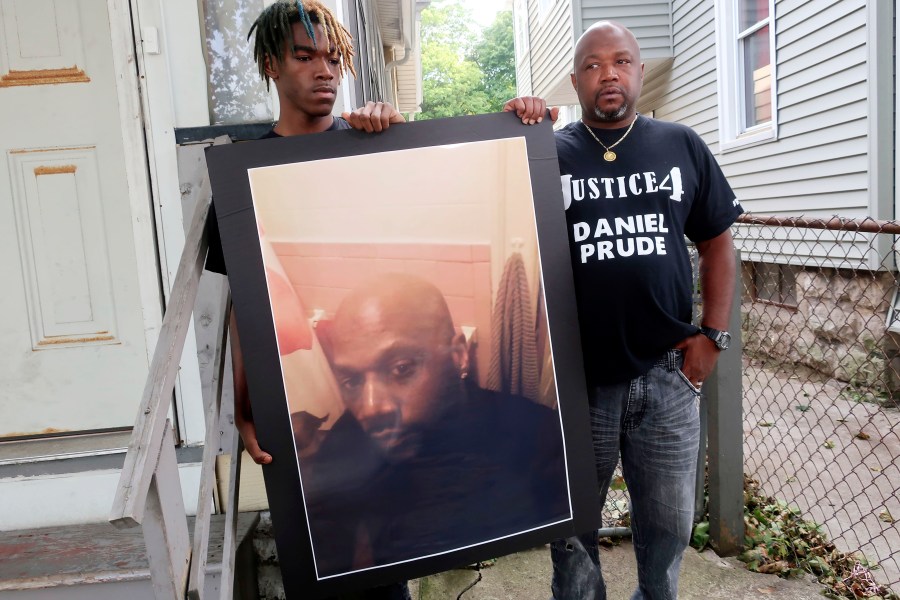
{"x":724,"y":394}
{"x":700,"y":482}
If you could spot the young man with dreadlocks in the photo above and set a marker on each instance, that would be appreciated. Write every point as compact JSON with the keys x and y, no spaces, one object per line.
{"x":305,"y":50}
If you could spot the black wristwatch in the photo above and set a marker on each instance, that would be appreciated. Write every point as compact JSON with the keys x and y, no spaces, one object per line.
{"x":721,"y":338}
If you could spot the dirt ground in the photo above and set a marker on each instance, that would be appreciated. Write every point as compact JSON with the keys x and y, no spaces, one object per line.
{"x":526,"y":576}
{"x":831,"y":453}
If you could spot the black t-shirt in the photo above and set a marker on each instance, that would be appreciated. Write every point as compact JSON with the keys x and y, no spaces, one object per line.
{"x":215,"y":260}
{"x":490,"y":466}
{"x":627,"y":221}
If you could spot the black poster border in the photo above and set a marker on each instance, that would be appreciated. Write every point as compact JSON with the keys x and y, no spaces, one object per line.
{"x":228,"y":166}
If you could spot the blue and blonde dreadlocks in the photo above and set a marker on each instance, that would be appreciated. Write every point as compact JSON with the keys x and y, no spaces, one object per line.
{"x":273,"y":32}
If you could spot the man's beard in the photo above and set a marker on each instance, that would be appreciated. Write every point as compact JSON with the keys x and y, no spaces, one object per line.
{"x":611,"y":116}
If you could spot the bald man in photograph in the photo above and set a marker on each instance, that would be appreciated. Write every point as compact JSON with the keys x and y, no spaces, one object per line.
{"x":423,"y":461}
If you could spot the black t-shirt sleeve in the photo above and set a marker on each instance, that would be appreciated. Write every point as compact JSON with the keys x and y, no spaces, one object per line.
{"x":716,"y":206}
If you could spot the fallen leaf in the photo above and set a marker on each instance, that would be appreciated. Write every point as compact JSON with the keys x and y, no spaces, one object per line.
{"x":779,"y":566}
{"x":618,"y":483}
{"x":886,"y":516}
{"x":828,"y":444}
{"x":862,"y":435}
{"x":765,"y":424}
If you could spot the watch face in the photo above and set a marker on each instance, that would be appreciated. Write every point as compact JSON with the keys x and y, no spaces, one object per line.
{"x":723,"y":340}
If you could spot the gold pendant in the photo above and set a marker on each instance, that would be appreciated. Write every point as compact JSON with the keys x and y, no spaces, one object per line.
{"x":609,"y":156}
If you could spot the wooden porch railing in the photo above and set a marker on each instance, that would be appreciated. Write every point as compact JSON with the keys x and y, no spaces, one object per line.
{"x":149,"y":490}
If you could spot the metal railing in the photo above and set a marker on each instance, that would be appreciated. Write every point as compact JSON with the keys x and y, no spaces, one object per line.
{"x":821,"y":376}
{"x":149,"y":490}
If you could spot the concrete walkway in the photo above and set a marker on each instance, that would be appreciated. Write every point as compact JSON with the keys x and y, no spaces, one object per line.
{"x":526,"y":576}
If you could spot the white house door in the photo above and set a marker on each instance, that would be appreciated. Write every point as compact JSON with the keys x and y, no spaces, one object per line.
{"x":73,"y":355}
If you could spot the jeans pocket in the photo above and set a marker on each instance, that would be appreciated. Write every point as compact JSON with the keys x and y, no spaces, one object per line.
{"x":684,"y":378}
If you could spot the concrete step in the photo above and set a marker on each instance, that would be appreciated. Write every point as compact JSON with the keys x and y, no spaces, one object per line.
{"x":99,"y":562}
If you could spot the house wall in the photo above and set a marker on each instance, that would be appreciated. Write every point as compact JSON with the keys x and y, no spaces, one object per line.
{"x":649,"y":20}
{"x":686,"y":93}
{"x":837,"y":329}
{"x":551,"y":41}
{"x":551,"y":37}
{"x":523,"y":47}
{"x":818,"y":166}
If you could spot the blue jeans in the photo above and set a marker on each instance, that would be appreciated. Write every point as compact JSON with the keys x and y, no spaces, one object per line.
{"x":653,"y":421}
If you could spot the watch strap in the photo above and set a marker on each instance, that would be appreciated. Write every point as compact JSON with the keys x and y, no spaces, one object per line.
{"x":721,"y":338}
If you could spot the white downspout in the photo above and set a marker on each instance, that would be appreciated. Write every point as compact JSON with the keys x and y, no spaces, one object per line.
{"x":408,"y":35}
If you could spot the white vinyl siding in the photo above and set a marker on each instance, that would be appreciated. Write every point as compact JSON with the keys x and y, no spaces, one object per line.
{"x":555,"y":25}
{"x":819,"y":165}
{"x":552,"y":46}
{"x":687,"y":93}
{"x":523,"y":47}
{"x":409,"y":82}
{"x":649,"y":20}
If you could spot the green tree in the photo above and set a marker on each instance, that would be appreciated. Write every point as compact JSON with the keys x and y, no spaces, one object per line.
{"x":495,"y":55}
{"x":463,"y":71}
{"x":448,"y":23}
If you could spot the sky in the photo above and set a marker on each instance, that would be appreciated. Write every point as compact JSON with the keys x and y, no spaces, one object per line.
{"x":485,"y":10}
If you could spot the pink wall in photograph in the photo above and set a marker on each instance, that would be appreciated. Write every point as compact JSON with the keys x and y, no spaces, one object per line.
{"x":322,"y":274}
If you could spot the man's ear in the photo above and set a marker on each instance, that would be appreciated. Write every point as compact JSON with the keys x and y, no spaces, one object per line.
{"x":572,"y":77}
{"x":271,"y":66}
{"x":460,"y":354}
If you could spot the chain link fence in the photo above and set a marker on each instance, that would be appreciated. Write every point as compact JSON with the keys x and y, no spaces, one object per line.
{"x":821,"y":379}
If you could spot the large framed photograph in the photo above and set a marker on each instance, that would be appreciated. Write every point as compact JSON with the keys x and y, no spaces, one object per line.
{"x":405,"y":309}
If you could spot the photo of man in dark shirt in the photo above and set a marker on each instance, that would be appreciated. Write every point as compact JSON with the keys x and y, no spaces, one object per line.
{"x":423,"y":461}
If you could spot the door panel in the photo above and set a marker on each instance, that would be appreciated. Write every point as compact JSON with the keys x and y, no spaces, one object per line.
{"x":71,"y":334}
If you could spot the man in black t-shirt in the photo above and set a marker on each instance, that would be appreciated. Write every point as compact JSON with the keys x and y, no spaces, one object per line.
{"x":633,"y":189}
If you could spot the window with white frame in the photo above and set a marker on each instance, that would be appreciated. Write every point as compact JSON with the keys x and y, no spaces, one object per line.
{"x":746,"y":60}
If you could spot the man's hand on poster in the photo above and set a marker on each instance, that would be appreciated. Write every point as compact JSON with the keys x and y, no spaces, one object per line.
{"x":373,"y":117}
{"x":531,"y":109}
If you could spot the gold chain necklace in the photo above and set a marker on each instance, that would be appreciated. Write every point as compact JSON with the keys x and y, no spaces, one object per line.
{"x":609,"y":155}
